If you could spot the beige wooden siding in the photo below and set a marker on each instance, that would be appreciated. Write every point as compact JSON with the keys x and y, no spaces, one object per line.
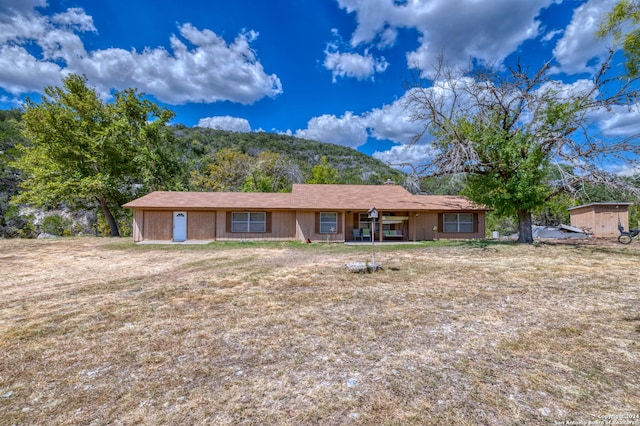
{"x":606,"y":222}
{"x":583,"y":218}
{"x":201,"y":225}
{"x":308,"y":227}
{"x":424,"y":222}
{"x":305,"y":225}
{"x":138,"y":223}
{"x":158,"y":225}
{"x":349,"y":224}
{"x":602,"y":221}
{"x":281,"y":227}
{"x":479,"y":228}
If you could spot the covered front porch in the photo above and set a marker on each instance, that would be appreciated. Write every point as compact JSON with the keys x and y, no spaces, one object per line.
{"x":391,"y":226}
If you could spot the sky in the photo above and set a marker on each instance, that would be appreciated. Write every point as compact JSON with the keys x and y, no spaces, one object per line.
{"x":329,"y":70}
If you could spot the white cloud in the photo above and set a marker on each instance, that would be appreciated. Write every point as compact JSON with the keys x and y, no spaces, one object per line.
{"x":461,"y":30}
{"x":561,"y":91}
{"x":353,"y":65}
{"x":208,"y":70}
{"x":22,"y":73}
{"x":393,"y":122}
{"x":74,"y":18}
{"x":348,"y":130}
{"x":21,"y":28}
{"x":19,"y":7}
{"x":621,"y":122}
{"x":390,"y":122}
{"x":372,"y":16}
{"x":624,"y":169}
{"x":411,"y":154}
{"x":579,"y":47}
{"x":551,"y":35}
{"x":387,"y":38}
{"x":234,"y":124}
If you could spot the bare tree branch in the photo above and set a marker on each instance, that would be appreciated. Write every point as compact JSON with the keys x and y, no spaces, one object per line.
{"x":505,"y":129}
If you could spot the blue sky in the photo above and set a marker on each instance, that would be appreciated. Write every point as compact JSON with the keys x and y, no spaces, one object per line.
{"x":329,"y":70}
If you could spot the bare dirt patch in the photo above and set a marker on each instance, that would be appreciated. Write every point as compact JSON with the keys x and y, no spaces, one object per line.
{"x":97,"y":332}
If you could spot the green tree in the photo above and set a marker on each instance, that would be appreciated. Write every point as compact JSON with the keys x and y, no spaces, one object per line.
{"x":510,"y":174}
{"x":234,"y":171}
{"x":623,"y":22}
{"x":87,"y":153}
{"x":10,"y":138}
{"x":442,"y":185}
{"x":226,"y":172}
{"x":271,"y":172}
{"x":520,"y":139}
{"x":324,"y":173}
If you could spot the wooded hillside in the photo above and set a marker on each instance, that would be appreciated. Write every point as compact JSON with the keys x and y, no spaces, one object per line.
{"x":198,"y":144}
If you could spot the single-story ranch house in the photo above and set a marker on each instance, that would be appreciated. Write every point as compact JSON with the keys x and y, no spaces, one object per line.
{"x":321,"y":213}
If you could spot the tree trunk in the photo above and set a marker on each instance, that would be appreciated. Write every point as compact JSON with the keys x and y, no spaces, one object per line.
{"x":525,"y":231}
{"x":113,"y":225}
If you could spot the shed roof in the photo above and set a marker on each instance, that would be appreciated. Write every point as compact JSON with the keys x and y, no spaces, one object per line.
{"x":611,"y":204}
{"x":308,"y":197}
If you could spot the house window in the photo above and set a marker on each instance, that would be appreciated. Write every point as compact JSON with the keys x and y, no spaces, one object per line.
{"x":458,"y":222}
{"x":248,"y":222}
{"x":364,"y":221}
{"x":328,"y":223}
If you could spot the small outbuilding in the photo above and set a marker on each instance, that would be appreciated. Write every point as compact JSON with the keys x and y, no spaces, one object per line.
{"x":601,"y":219}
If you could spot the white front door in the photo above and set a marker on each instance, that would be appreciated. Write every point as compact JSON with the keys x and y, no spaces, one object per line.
{"x":179,"y":226}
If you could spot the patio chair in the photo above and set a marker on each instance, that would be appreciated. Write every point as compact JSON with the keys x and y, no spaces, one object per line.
{"x":357,"y":235}
{"x":366,"y":234}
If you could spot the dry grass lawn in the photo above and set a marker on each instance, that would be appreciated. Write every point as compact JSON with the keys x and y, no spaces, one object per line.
{"x":100,"y":331}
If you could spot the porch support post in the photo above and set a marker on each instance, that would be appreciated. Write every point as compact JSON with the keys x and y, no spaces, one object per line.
{"x":414,"y":219}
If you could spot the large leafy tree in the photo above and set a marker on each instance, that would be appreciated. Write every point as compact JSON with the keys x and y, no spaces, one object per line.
{"x":510,"y":170}
{"x":520,"y":138}
{"x":225,"y":171}
{"x":85,"y":152}
{"x":10,"y":138}
{"x":271,"y":172}
{"x":623,"y":22}
{"x":324,"y":173}
{"x":231,"y":170}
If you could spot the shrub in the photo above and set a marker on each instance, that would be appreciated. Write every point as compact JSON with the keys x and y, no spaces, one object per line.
{"x":28,"y":229}
{"x":18,"y":225}
{"x":56,"y":224}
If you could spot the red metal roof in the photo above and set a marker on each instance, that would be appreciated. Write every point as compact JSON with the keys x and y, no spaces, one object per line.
{"x":609,"y":204}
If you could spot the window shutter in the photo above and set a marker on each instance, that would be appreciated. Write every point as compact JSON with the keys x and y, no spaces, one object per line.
{"x":340,"y":219}
{"x":317,"y":222}
{"x":267,"y":218}
{"x":440,"y":222}
{"x":476,"y":225}
{"x":229,"y":217}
